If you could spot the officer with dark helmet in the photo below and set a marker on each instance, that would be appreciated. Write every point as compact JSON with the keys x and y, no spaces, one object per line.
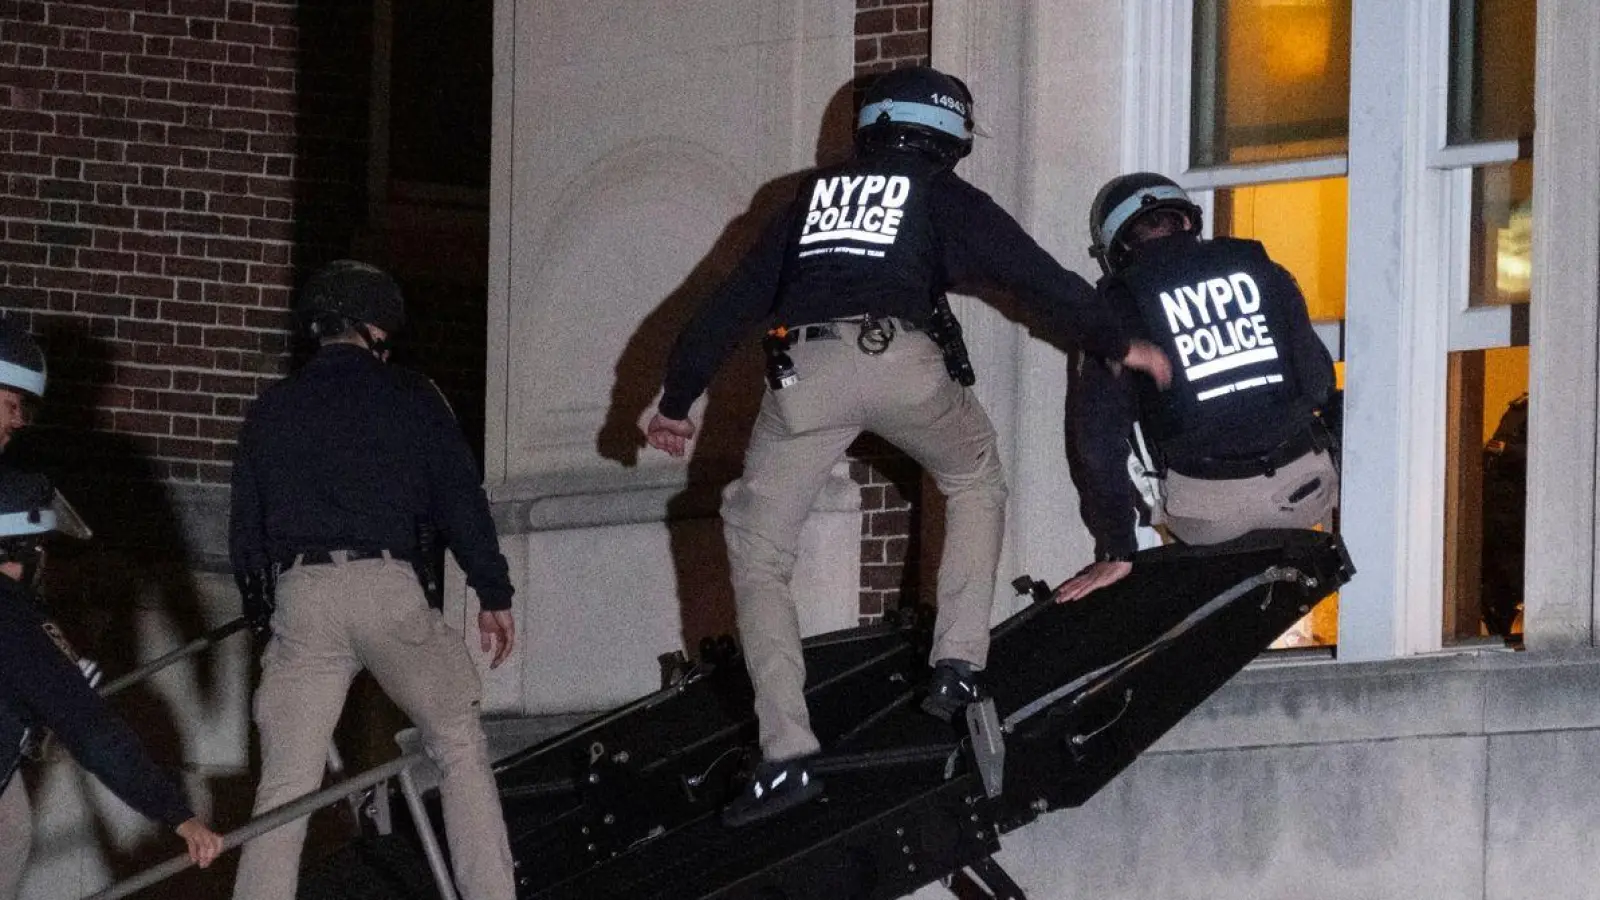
{"x":339,"y":468}
{"x":22,"y":378}
{"x":850,"y":279}
{"x":1238,"y":438}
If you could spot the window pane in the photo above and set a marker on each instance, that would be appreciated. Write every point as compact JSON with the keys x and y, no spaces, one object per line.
{"x":1303,"y":225}
{"x":1491,"y":70}
{"x":1486,"y":427}
{"x":1271,"y":80}
{"x":1502,"y":234}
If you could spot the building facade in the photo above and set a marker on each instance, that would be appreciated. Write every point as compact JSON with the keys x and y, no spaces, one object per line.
{"x":1387,"y":146}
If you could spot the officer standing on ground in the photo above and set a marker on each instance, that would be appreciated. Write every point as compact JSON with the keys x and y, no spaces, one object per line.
{"x":853,"y":275}
{"x":40,"y":687}
{"x":339,"y":467}
{"x":1238,"y":435}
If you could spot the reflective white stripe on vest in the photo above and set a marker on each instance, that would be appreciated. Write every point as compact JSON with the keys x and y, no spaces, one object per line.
{"x":1245,"y":358}
{"x":1244,"y":385}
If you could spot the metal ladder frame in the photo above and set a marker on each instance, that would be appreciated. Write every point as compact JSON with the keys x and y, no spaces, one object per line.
{"x":350,"y":789}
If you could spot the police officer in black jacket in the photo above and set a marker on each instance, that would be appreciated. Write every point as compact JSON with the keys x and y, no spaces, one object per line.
{"x":42,"y":688}
{"x":852,"y":277}
{"x":1238,"y":436}
{"x":339,"y":467}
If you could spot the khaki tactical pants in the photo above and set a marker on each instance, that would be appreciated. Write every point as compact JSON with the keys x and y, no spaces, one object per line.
{"x":1299,"y":495}
{"x":16,"y":836}
{"x":904,"y":396}
{"x":331,"y":622}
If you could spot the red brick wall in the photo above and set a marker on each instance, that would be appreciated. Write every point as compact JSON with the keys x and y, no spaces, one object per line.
{"x":889,"y":34}
{"x":892,"y":33}
{"x":169,"y":168}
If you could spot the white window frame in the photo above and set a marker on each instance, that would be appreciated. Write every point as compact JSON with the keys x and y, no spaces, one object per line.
{"x":1471,"y":327}
{"x":1407,"y":294}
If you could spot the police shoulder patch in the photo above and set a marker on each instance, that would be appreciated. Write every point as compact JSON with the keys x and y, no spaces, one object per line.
{"x":425,"y":387}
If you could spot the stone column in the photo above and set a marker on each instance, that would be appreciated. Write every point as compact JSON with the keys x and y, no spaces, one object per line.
{"x":636,"y":152}
{"x":1048,"y":101}
{"x":1562,"y":578}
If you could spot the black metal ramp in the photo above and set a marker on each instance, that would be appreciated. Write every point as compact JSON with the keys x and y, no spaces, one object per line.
{"x":627,"y":805}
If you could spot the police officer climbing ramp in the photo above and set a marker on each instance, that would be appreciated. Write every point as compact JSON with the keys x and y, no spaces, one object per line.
{"x":848,"y":279}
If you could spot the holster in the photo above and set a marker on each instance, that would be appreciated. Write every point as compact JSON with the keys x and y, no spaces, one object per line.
{"x":945,"y":329}
{"x":258,"y":591}
{"x":429,"y":563}
{"x":1331,"y":415}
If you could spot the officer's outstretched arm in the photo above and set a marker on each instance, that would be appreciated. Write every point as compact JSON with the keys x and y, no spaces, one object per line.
{"x":1101,"y":411}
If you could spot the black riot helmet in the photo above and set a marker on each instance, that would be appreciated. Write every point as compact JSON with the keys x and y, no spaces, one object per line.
{"x":348,"y":295}
{"x":918,"y":110}
{"x":21,"y":360}
{"x":1126,"y":198}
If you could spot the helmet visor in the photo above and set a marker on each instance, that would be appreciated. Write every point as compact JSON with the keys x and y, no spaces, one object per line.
{"x":1153,"y":197}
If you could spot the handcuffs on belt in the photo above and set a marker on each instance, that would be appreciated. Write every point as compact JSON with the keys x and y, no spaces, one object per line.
{"x":876,"y":335}
{"x":873,"y":339}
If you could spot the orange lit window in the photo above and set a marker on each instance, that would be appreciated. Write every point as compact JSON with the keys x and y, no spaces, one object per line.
{"x":1271,"y":80}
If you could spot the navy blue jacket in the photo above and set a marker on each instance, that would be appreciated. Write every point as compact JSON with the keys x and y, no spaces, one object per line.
{"x":884,"y":235}
{"x":350,"y":453}
{"x":41,"y":688}
{"x":1246,"y":416}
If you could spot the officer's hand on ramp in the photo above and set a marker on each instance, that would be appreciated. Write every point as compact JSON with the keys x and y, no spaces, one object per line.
{"x":1148,"y":358}
{"x":497,"y":634}
{"x":672,"y":436}
{"x":1093,"y":578}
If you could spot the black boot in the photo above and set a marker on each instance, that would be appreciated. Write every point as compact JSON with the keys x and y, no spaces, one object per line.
{"x":775,"y":787}
{"x":954,"y":685}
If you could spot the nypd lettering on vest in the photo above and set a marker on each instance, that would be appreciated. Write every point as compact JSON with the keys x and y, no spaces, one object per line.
{"x":856,"y":214}
{"x":1217,"y":327}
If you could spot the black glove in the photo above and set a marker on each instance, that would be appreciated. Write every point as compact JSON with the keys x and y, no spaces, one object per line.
{"x":256,"y":587}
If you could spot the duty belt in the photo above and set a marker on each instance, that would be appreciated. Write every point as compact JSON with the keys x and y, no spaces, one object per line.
{"x":833,"y":331}
{"x":328,"y":557}
{"x":1266,"y":463}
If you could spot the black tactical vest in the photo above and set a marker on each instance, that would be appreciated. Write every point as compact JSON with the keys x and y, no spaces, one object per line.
{"x":1218,"y":310}
{"x":861,"y":242}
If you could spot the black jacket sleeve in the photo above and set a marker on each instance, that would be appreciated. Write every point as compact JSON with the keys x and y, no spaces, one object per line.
{"x":247,"y":541}
{"x":726,"y":316}
{"x":1101,"y":411}
{"x":983,"y":244}
{"x":458,"y":505}
{"x":42,"y":686}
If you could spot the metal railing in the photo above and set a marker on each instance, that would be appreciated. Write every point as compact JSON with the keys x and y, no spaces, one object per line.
{"x":283,"y":815}
{"x":214,"y":636}
{"x":352,"y":789}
